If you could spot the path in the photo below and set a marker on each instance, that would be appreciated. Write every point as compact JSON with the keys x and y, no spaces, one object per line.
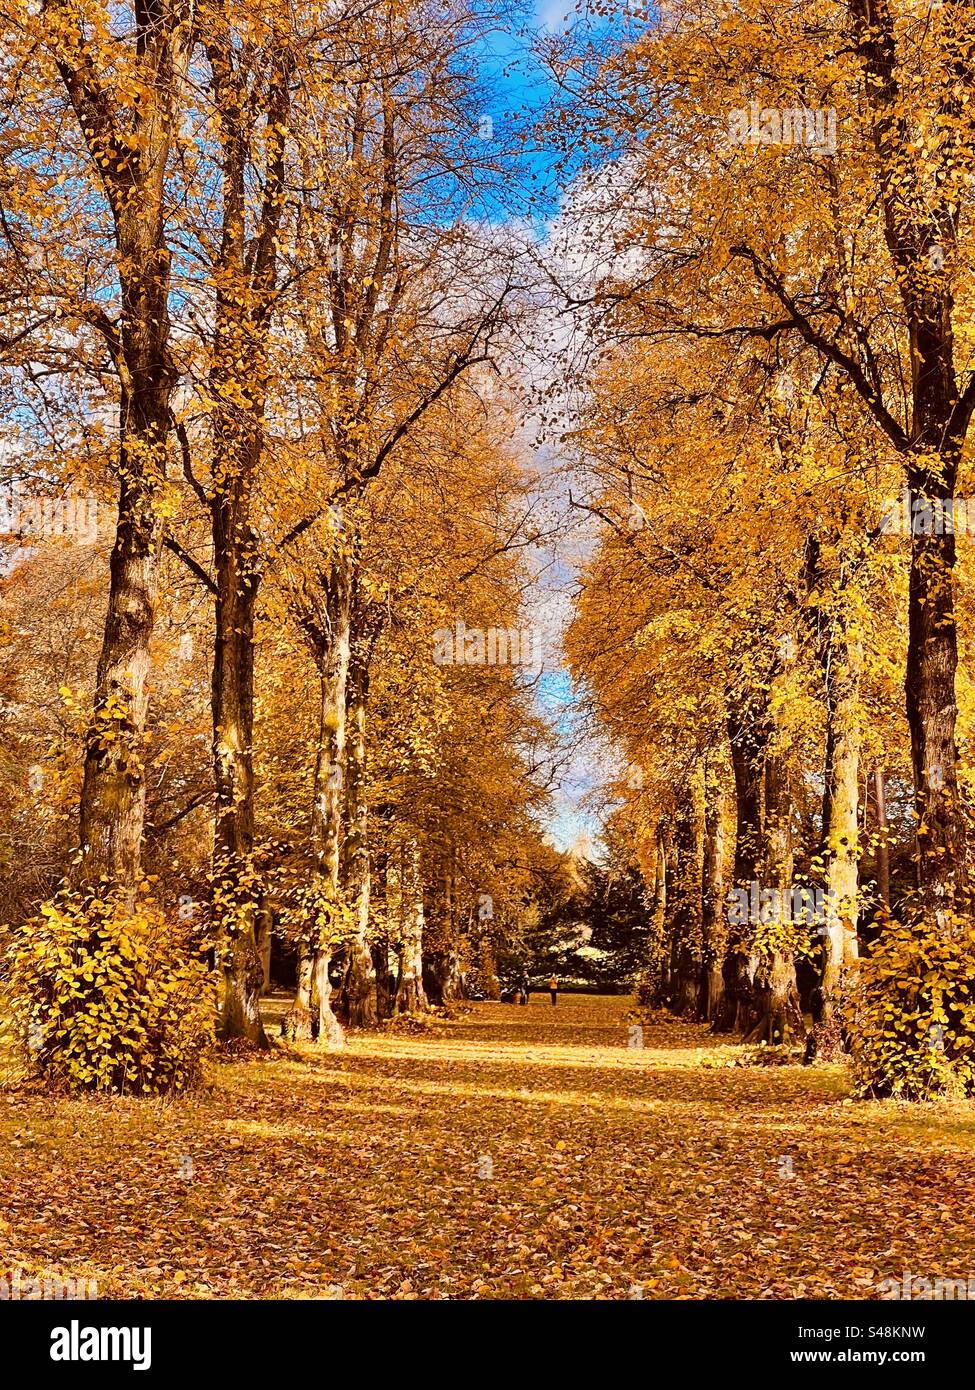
{"x":515,"y":1153}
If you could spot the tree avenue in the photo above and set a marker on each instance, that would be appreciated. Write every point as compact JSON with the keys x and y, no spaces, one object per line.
{"x":487,"y":591}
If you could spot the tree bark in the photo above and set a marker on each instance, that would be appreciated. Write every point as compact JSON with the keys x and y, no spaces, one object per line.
{"x":932,"y":660}
{"x":883,"y":843}
{"x":684,"y":906}
{"x":331,"y":645}
{"x":713,"y":922}
{"x":113,"y":793}
{"x":132,"y":165}
{"x":840,"y":654}
{"x":265,"y":929}
{"x":842,"y":776}
{"x":410,"y":996}
{"x":329,"y":793}
{"x":776,"y":994}
{"x":452,"y":986}
{"x":246,"y":275}
{"x":842,"y":837}
{"x":360,"y":976}
{"x":297,"y":1025}
{"x":443,"y":977}
{"x":235,"y":886}
{"x":916,"y":225}
{"x":659,"y":983}
{"x":749,"y":731}
{"x":778,"y":1000}
{"x":488,"y":967}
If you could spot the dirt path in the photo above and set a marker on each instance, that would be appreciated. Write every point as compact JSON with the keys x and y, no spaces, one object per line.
{"x":518,"y":1152}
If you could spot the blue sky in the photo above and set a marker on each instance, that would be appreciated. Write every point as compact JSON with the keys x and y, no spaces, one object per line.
{"x":520,"y":88}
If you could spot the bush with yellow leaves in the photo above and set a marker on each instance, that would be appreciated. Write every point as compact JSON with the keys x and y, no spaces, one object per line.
{"x":109,"y":998}
{"x":909,"y":1012}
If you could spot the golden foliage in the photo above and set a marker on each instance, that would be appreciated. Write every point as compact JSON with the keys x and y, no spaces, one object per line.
{"x":110,"y":997}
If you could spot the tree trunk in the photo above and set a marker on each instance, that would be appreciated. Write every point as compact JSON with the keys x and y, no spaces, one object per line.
{"x":410,"y":996}
{"x":684,"y":903}
{"x":245,"y":277}
{"x":921,"y":218}
{"x":488,"y":967}
{"x":132,"y":164}
{"x":840,"y":653}
{"x":776,"y":998}
{"x":842,"y":845}
{"x":113,"y":793}
{"x":883,"y":843}
{"x":748,"y":731}
{"x":265,"y":928}
{"x":450,"y":978}
{"x":297,"y":1025}
{"x":331,"y":648}
{"x":842,"y":668}
{"x":443,"y":977}
{"x":330,"y":1033}
{"x":329,"y":792}
{"x":659,"y":982}
{"x":385,"y":979}
{"x":713,"y":930}
{"x":453,"y":986}
{"x":235,"y":887}
{"x":932,"y":659}
{"x":360,"y":975}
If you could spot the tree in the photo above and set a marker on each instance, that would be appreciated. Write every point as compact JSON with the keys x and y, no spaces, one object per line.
{"x":127,"y":97}
{"x":850,"y":248}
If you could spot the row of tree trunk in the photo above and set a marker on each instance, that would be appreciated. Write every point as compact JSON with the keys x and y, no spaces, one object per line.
{"x":741,"y":975}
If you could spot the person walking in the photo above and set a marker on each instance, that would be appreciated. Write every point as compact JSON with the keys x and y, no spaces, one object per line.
{"x":524,"y":988}
{"x":553,"y":989}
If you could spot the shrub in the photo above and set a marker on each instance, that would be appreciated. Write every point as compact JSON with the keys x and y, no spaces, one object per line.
{"x":109,"y":998}
{"x":909,"y":1012}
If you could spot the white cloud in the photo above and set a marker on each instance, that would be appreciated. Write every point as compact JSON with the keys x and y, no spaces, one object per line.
{"x":554,"y":15}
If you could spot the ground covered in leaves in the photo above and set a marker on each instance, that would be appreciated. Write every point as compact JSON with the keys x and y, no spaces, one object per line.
{"x":511,"y":1153}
